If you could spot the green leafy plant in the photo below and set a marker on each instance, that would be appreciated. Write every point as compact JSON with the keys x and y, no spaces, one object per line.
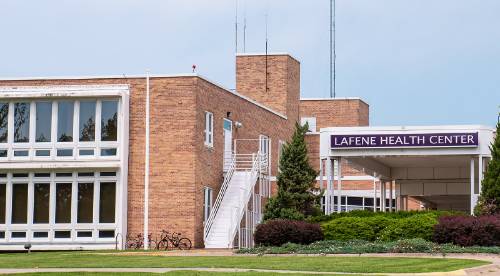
{"x":489,"y":199}
{"x":295,"y":199}
{"x":418,"y":226}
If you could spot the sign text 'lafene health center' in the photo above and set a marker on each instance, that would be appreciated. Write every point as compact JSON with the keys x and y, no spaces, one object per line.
{"x":405,"y":140}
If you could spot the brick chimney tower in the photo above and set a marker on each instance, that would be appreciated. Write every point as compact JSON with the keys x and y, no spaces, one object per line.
{"x":283,"y":81}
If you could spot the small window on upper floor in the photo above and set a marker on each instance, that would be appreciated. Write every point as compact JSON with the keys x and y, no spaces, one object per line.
{"x":311,"y":121}
{"x":209,"y":129}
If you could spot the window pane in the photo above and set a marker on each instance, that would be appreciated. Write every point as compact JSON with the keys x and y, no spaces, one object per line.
{"x":4,"y":112}
{"x":107,"y":202}
{"x":21,"y":122}
{"x":85,"y":202}
{"x":41,"y":206}
{"x":109,"y":120}
{"x":2,"y":203}
{"x":20,"y":203}
{"x":65,"y":121}
{"x":43,"y":121}
{"x":87,"y":121}
{"x":63,"y":202}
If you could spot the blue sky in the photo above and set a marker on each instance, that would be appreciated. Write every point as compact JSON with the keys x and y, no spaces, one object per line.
{"x":414,"y":61}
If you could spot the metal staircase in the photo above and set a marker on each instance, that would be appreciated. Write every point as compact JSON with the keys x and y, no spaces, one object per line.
{"x":238,"y":207}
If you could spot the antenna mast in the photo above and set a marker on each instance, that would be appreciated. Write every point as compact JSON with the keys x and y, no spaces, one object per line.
{"x":236,"y":28}
{"x":244,"y":26}
{"x":266,"y":49}
{"x":333,"y":55}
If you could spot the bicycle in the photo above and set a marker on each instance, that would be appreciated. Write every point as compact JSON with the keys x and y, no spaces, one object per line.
{"x":174,"y":239}
{"x":137,"y":242}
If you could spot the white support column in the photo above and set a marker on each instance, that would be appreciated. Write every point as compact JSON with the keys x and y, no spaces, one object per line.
{"x":472,"y":193}
{"x":328,"y":203}
{"x":321,"y":187}
{"x":481,"y":173}
{"x":374,"y":192}
{"x":382,"y":196}
{"x":339,"y":184}
{"x":391,"y":196}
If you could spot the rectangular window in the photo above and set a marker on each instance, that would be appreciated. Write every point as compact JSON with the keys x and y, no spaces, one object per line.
{"x":21,"y":153}
{"x":65,"y":121}
{"x":107,"y":202}
{"x":108,"y":152}
{"x":4,"y":114}
{"x":207,"y":203}
{"x":21,"y":122}
{"x":20,"y":203}
{"x":209,"y":129}
{"x":43,"y":153}
{"x":65,"y":152}
{"x":84,"y":234}
{"x":109,"y":121}
{"x":3,"y":153}
{"x":87,"y":121}
{"x":85,"y":202}
{"x":43,"y":121}
{"x":86,"y":152}
{"x":18,"y":235}
{"x":62,"y":234}
{"x":2,"y":203}
{"x":41,"y":203}
{"x":311,"y":122}
{"x":106,"y":234}
{"x":63,"y":202}
{"x":40,"y":235}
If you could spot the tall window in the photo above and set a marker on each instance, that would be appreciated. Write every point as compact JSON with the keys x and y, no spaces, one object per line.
{"x":107,"y":202}
{"x":43,"y":121}
{"x":2,"y":202}
{"x":207,"y":202}
{"x":63,"y":202}
{"x":41,"y":203}
{"x":4,"y":114}
{"x":87,"y":121}
{"x":209,"y":129}
{"x":109,"y":121}
{"x":19,"y":203}
{"x":21,"y":122}
{"x":85,"y":202}
{"x":65,"y":121}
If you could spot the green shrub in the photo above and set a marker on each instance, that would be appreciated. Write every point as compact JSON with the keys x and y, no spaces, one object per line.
{"x":355,"y":228}
{"x":366,"y":213}
{"x":418,"y":226}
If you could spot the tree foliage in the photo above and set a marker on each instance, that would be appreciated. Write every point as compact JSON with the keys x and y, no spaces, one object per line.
{"x":296,"y":198}
{"x":489,"y":200}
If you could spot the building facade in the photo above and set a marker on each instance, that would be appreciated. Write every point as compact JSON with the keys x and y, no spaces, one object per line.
{"x":73,"y":154}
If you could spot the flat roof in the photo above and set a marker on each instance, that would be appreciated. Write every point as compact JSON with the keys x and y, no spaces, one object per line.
{"x":406,"y":128}
{"x":335,"y":99}
{"x":268,"y":54}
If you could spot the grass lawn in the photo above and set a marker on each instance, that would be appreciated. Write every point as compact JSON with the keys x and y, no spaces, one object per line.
{"x":174,"y":273}
{"x":300,"y":263}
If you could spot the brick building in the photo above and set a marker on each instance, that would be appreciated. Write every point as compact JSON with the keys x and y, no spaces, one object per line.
{"x":72,"y":154}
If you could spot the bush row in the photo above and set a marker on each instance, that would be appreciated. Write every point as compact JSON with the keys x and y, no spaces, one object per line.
{"x":367,"y":213}
{"x":381,"y":227}
{"x":280,"y":231}
{"x":468,"y":230}
{"x":362,"y":247}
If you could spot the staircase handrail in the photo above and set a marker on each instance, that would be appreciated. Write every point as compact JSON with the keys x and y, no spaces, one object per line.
{"x":253,"y":174}
{"x":218,"y":200}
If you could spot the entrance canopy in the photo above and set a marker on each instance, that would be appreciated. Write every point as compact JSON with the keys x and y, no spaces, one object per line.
{"x":441,"y":166}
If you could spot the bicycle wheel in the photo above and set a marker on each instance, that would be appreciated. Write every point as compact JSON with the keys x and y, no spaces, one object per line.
{"x":184,"y":244}
{"x":162,"y":245}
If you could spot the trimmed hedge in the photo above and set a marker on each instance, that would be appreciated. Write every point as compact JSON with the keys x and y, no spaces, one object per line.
{"x":418,"y":226}
{"x":382,"y":226}
{"x":468,"y":230}
{"x":355,"y":228}
{"x":280,"y":231}
{"x":367,"y":213}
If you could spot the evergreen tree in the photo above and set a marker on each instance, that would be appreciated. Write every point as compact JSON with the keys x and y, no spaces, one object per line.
{"x":295,"y":198}
{"x":489,"y":200}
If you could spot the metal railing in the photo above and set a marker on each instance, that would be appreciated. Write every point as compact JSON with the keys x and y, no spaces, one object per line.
{"x":220,"y":196}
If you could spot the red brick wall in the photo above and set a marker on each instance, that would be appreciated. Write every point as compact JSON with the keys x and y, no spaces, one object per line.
{"x":283,"y":82}
{"x":336,"y":112}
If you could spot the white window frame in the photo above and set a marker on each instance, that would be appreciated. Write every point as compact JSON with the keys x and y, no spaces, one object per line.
{"x":311,"y":123}
{"x":209,"y":129}
{"x":30,"y":227}
{"x":32,"y":147}
{"x":207,"y":202}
